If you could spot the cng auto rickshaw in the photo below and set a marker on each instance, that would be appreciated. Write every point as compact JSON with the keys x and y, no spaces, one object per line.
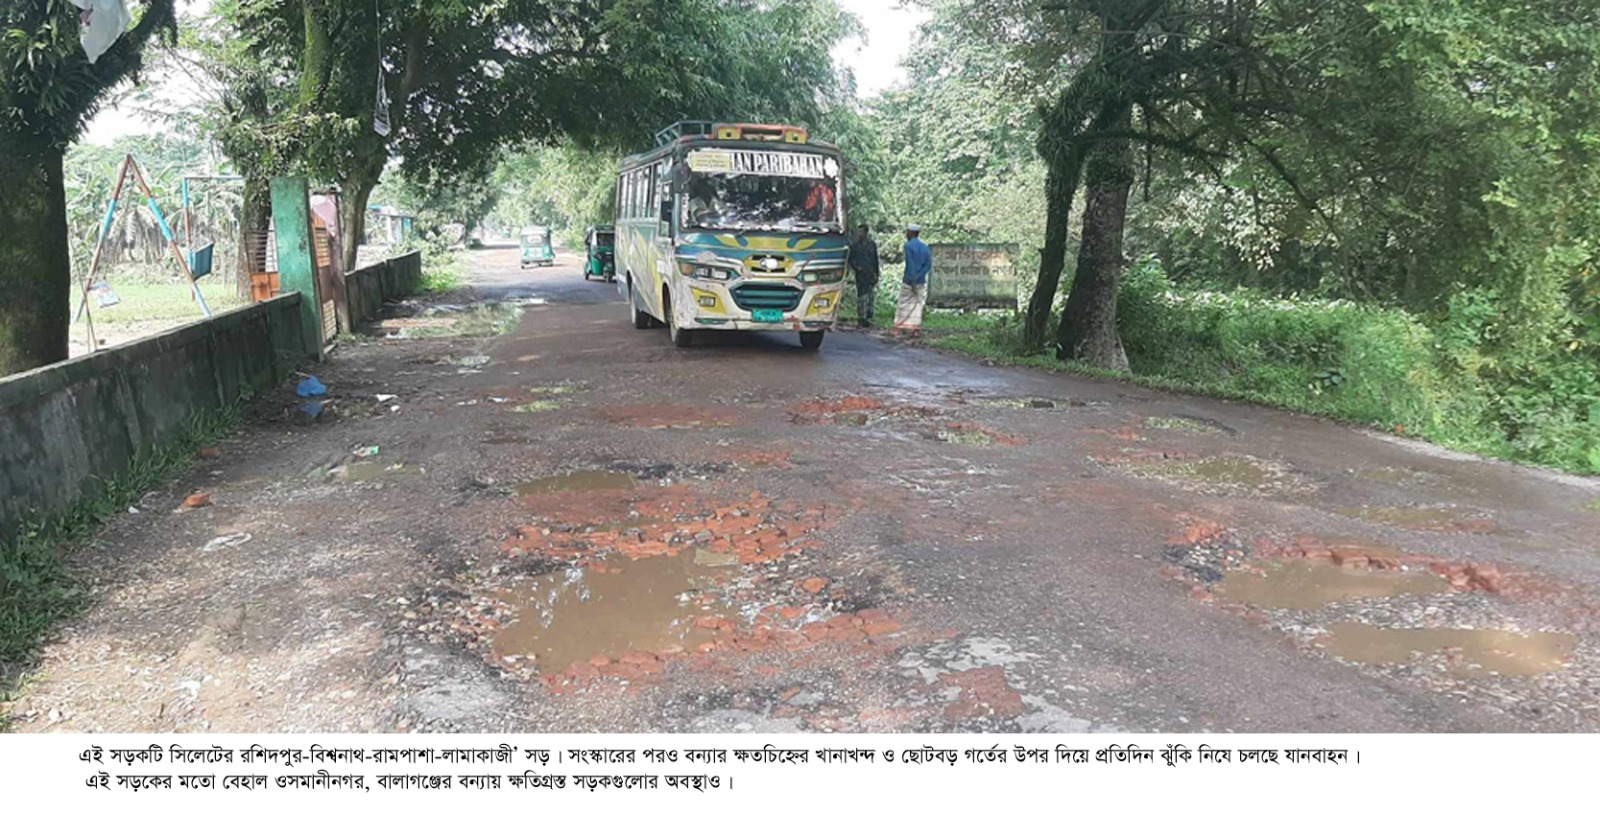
{"x":536,"y":248}
{"x":600,"y":260}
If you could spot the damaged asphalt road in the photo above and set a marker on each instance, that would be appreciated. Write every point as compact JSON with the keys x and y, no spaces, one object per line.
{"x":565,"y":524}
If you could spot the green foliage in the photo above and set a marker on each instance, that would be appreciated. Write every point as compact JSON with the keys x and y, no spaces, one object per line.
{"x":953,"y":149}
{"x":38,"y":586}
{"x":566,"y":187}
{"x":1378,"y":211}
{"x":1373,"y":365}
{"x":1358,"y":362}
{"x":48,"y":87}
{"x":136,"y":239}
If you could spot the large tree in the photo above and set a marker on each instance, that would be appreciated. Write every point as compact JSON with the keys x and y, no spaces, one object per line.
{"x":48,"y":91}
{"x":463,"y":82}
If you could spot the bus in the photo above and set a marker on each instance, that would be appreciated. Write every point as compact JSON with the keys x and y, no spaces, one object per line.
{"x":732,"y":227}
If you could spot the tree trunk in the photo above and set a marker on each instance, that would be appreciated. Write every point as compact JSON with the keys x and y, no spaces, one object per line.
{"x":353,"y":219}
{"x":35,"y":258}
{"x":1089,"y":321}
{"x":1061,"y":186}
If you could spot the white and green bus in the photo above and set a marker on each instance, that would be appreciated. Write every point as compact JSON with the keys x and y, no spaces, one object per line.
{"x":732,"y":227}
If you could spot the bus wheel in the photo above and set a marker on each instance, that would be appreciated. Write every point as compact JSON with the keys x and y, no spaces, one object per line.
{"x":811,"y":339}
{"x":681,"y":337}
{"x":641,"y":320}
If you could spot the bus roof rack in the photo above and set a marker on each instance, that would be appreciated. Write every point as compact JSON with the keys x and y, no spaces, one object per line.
{"x":677,"y":130}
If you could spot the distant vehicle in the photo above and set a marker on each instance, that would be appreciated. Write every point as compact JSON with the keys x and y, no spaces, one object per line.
{"x":733,"y":227}
{"x":536,"y":248}
{"x":600,"y":255}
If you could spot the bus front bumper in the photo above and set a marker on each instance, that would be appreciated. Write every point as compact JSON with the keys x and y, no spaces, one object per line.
{"x":713,"y":307}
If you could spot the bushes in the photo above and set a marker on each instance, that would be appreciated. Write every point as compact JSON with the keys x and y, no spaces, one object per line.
{"x":1454,"y":382}
{"x":1333,"y":358}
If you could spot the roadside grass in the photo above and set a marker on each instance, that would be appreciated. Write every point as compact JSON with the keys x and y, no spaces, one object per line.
{"x":38,"y":586}
{"x":440,"y":278}
{"x":442,"y":269}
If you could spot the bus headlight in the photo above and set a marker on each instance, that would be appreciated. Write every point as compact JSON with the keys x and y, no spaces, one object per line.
{"x":831,"y":275}
{"x":712,"y":272}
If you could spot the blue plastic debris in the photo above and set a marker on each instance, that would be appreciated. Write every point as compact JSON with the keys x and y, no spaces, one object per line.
{"x":310,"y":387}
{"x":312,"y":408}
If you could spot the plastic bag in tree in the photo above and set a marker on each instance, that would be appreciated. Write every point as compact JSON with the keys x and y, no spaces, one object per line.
{"x":101,"y":23}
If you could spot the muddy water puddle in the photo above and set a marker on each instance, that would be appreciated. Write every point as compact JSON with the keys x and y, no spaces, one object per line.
{"x":587,"y":480}
{"x":1467,"y":652}
{"x":367,"y":470}
{"x":1308,"y":584}
{"x":575,"y":614}
{"x":1189,"y":425}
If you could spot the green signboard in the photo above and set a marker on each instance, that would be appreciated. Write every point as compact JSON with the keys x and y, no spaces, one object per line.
{"x":973,"y":275}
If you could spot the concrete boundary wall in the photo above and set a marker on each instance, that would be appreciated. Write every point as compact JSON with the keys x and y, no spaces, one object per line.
{"x":366,"y":289}
{"x":69,"y":426}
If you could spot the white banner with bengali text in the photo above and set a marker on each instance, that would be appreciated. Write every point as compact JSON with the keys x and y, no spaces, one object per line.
{"x":778,"y":772}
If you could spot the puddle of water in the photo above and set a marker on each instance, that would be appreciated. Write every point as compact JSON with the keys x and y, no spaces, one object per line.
{"x":574,"y":614}
{"x":964,"y":438}
{"x":363,"y":470}
{"x":564,"y":388}
{"x":592,"y":480}
{"x":1224,"y":471}
{"x":1470,"y":653}
{"x":1030,"y":403}
{"x":536,"y":407}
{"x":1307,"y":584}
{"x":1190,"y":426}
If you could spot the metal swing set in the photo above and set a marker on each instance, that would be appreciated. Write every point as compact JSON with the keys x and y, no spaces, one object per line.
{"x":196,"y":265}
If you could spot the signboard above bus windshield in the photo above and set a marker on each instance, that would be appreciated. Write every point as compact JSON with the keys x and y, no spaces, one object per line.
{"x":769,"y":190}
{"x":763,"y":162}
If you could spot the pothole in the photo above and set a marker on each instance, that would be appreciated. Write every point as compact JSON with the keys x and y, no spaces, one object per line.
{"x":558,"y":388}
{"x":1308,"y":584}
{"x":1033,"y":403}
{"x":1444,"y":519}
{"x":1189,"y":425}
{"x":969,"y":434}
{"x":1228,"y":474}
{"x":1465,"y":653}
{"x":581,"y":615}
{"x":362,"y":471}
{"x":585,"y":480}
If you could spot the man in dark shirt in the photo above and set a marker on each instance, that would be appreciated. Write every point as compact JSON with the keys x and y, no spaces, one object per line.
{"x":864,"y":262}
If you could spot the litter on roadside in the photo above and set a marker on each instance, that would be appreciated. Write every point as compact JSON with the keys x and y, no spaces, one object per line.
{"x":226,"y":541}
{"x":310,"y":387}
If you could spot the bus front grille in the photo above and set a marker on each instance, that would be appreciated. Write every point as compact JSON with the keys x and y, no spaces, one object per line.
{"x":766,"y":296}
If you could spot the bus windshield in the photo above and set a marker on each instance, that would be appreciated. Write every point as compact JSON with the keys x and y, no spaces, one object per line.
{"x":721,"y":197}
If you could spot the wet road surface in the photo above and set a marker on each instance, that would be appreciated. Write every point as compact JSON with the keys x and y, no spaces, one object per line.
{"x":573,"y":525}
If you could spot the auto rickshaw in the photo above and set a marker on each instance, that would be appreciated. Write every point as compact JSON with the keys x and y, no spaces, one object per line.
{"x":600,"y":261}
{"x":536,"y":248}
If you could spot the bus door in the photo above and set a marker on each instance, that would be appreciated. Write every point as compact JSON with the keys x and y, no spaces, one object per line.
{"x":662,"y":213}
